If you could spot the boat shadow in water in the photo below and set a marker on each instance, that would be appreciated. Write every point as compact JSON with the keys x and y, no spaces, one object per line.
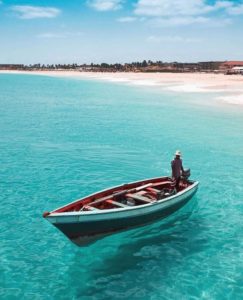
{"x":178,"y":231}
{"x":159,"y":247}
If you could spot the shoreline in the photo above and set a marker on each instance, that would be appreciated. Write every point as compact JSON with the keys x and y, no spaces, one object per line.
{"x":231,"y":85}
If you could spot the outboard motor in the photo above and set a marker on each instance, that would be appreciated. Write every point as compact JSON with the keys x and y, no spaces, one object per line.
{"x":185,"y":174}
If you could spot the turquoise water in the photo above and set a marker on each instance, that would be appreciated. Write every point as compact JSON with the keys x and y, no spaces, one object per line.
{"x":61,"y":139}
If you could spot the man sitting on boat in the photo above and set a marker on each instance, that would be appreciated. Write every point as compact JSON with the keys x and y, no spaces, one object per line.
{"x":177,"y":168}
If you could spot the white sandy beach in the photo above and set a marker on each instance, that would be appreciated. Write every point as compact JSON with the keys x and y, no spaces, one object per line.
{"x":231,"y":85}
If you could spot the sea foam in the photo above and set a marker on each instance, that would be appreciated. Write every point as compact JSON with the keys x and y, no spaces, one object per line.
{"x":233,"y":99}
{"x":188,"y":88}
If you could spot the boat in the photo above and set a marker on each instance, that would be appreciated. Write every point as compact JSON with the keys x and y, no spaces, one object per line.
{"x":120,"y":208}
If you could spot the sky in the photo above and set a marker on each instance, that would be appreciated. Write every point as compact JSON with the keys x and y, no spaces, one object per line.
{"x":85,"y":31}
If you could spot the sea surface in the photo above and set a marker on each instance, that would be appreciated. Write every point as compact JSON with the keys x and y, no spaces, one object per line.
{"x":61,"y":139}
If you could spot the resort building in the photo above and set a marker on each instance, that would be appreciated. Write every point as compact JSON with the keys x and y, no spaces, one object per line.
{"x":229,"y":65}
{"x":238,"y":70}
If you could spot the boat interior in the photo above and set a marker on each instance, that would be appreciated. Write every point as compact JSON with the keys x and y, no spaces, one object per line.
{"x":128,"y":195}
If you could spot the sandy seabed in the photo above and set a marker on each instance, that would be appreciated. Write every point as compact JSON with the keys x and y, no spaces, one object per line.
{"x":230,"y":85}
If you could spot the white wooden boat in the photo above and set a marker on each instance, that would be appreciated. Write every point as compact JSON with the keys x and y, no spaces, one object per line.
{"x":120,"y":208}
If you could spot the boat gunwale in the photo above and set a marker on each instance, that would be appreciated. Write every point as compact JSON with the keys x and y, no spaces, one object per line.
{"x":114,"y":210}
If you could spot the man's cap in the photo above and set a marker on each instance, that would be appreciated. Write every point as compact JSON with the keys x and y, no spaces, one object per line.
{"x":178,"y":153}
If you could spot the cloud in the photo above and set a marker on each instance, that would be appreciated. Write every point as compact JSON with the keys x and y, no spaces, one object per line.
{"x":126,"y":19}
{"x":176,"y":21}
{"x":235,"y":10}
{"x":186,"y":12}
{"x":105,"y":5}
{"x":34,"y":12}
{"x":223,"y":4}
{"x":168,"y":8}
{"x":172,"y":39}
{"x":50,"y":35}
{"x":188,"y":20}
{"x":59,"y":35}
{"x":230,"y":7}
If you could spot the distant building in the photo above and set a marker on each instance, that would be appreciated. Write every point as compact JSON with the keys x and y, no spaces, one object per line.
{"x":228,"y":65}
{"x":237,"y":70}
{"x":209,"y":65}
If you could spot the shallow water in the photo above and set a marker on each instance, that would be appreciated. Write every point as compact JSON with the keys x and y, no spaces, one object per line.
{"x":64,"y":138}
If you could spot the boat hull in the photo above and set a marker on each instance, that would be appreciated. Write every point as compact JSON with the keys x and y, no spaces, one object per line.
{"x":84,"y":229}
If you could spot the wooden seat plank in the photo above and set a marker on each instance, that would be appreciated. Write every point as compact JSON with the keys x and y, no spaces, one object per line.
{"x":162,"y":183}
{"x":150,"y":189}
{"x":116,"y":203}
{"x":140,"y":198}
{"x":119,"y":193}
{"x":141,"y":193}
